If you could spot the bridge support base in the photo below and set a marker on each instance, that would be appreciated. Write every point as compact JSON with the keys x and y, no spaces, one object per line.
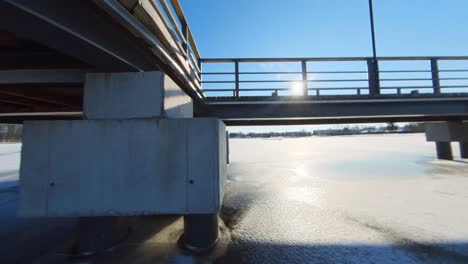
{"x":442,"y":133}
{"x":138,"y":152}
{"x":444,"y":150}
{"x":200,"y":232}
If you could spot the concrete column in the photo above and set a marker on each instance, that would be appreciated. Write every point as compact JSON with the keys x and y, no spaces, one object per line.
{"x":464,"y":150}
{"x":444,"y":150}
{"x":200,"y":232}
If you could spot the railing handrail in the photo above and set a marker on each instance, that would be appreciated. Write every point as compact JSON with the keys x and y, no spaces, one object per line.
{"x":168,"y":35}
{"x":375,"y":84}
{"x":180,"y":14}
{"x":298,"y":59}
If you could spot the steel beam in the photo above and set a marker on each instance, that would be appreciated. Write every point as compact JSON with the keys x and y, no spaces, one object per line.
{"x":49,"y":76}
{"x":10,"y":60}
{"x":253,"y":113}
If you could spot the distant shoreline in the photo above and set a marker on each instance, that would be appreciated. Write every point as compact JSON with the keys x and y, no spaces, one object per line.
{"x":286,"y":135}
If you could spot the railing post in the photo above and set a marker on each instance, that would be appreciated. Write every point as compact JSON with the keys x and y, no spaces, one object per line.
{"x":373,"y":76}
{"x":305,"y":85}
{"x":200,"y":68}
{"x":185,"y":32}
{"x":435,"y":75}
{"x":236,"y":65}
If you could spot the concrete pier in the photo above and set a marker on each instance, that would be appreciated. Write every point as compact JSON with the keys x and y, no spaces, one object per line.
{"x":138,"y":152}
{"x":443,"y":133}
{"x":444,"y":150}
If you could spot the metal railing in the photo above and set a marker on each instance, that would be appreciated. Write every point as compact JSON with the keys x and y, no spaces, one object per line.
{"x":173,"y":41}
{"x":316,"y":77}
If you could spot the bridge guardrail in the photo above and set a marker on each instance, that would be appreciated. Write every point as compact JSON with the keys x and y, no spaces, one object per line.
{"x":166,"y":20}
{"x":263,"y":77}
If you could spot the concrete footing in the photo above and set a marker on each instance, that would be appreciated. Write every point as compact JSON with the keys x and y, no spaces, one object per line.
{"x":464,"y":150}
{"x":444,"y":150}
{"x":200,"y":232}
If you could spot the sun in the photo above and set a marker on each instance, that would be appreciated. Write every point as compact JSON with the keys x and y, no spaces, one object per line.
{"x":296,"y":87}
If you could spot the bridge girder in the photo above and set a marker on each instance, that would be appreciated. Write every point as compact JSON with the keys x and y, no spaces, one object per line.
{"x":337,"y":111}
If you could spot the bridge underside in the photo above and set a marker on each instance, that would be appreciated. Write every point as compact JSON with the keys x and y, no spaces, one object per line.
{"x":45,"y":45}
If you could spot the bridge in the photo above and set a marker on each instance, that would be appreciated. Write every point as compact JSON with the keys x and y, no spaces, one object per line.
{"x":115,"y":64}
{"x":43,"y":70}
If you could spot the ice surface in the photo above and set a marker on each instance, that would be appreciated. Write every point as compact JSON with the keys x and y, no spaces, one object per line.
{"x":352,"y":199}
{"x":9,"y":164}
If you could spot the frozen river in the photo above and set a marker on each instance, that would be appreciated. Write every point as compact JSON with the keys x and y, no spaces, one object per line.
{"x":346,"y":199}
{"x":355,"y":199}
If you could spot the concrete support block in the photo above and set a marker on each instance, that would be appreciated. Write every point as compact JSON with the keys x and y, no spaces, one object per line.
{"x":134,"y":95}
{"x":122,"y":167}
{"x":444,"y":150}
{"x":447,"y":132}
{"x":464,"y":150}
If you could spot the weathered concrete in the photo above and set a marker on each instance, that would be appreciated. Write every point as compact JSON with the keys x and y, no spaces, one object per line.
{"x":134,"y":95}
{"x":444,"y":150}
{"x":447,"y":132}
{"x":122,"y":167}
{"x":140,"y":152}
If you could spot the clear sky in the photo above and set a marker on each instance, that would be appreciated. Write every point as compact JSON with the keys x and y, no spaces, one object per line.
{"x":322,"y":28}
{"x":327,"y":28}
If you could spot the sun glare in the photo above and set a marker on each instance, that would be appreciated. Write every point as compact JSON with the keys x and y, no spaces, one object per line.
{"x":296,"y":88}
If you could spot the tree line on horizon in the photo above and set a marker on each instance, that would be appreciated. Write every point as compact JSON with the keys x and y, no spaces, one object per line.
{"x":10,"y":133}
{"x":347,"y":130}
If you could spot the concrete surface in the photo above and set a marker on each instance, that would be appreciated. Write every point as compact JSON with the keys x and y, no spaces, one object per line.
{"x":134,"y":95}
{"x":447,"y":131}
{"x":122,"y":167}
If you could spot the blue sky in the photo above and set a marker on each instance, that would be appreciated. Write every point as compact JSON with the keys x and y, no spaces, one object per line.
{"x":327,"y":28}
{"x":322,"y":28}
